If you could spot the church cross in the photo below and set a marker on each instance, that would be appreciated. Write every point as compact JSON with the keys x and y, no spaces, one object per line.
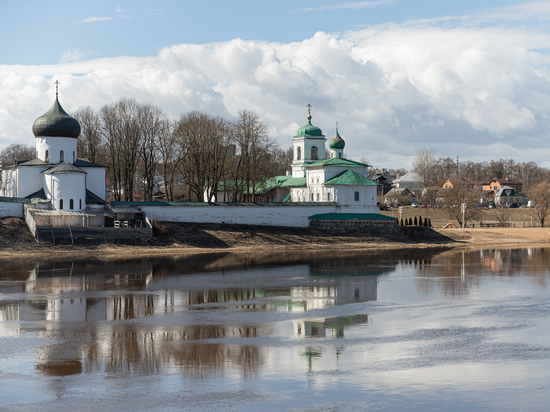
{"x":336,"y":126}
{"x":309,"y":111}
{"x":56,"y":87}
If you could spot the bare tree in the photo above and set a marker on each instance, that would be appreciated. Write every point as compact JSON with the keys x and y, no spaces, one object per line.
{"x":120,"y":128}
{"x":540,"y":194}
{"x":89,"y":143}
{"x":170,"y":155}
{"x":153,"y":126}
{"x":16,"y":152}
{"x":501,"y":214}
{"x":204,"y":142}
{"x":423,"y":165}
{"x":457,"y":195}
{"x":254,"y":147}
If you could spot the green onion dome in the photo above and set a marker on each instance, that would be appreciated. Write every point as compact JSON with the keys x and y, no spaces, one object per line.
{"x":309,"y":130}
{"x":56,"y":123}
{"x":336,"y":142}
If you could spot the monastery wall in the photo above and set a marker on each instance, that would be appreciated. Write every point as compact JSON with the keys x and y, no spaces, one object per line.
{"x":243,"y":214}
{"x":11,"y":209}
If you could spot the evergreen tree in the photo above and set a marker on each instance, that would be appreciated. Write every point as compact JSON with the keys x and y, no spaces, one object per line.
{"x":401,"y":222}
{"x":426,"y":221}
{"x":415,"y":221}
{"x":429,"y":222}
{"x":410,"y":221}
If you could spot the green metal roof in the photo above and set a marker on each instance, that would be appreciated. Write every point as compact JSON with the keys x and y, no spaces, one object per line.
{"x":22,"y":200}
{"x":309,"y":130}
{"x":350,"y":178}
{"x":294,"y":182}
{"x":91,"y":197}
{"x":351,"y":216}
{"x":215,"y":204}
{"x":56,"y":122}
{"x":337,"y":162}
{"x":336,"y":142}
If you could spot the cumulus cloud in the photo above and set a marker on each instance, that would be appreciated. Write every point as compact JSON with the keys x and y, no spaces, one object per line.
{"x":96,"y":19}
{"x":478,"y":92}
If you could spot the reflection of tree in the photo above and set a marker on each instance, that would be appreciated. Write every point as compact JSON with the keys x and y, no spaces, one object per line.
{"x":456,"y":272}
{"x":127,"y":349}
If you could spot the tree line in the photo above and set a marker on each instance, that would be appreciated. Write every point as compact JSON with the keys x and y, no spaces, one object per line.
{"x":435,"y":170}
{"x":196,"y":155}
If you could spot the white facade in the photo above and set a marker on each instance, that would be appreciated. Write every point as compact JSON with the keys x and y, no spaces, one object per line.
{"x":56,"y":149}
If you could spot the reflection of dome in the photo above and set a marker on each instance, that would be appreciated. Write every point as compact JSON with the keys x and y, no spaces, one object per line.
{"x":336,"y":142}
{"x":56,"y":123}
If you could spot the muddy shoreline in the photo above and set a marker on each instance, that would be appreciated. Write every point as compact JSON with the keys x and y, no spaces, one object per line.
{"x":186,"y":239}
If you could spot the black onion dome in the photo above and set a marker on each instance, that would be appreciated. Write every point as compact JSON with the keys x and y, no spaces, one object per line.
{"x":56,"y":123}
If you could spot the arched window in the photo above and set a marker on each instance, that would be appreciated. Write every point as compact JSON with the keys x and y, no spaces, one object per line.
{"x":331,"y":154}
{"x":60,"y":203}
{"x":47,"y":159}
{"x":71,"y":204}
{"x":299,"y":153}
{"x":314,"y":153}
{"x":80,"y":207}
{"x":312,"y":197}
{"x":61,"y":156}
{"x":74,"y":157}
{"x":317,"y":196}
{"x":340,"y":155}
{"x":356,"y":198}
{"x":328,"y":197}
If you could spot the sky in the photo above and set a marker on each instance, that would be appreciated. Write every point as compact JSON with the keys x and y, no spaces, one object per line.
{"x":468,"y":79}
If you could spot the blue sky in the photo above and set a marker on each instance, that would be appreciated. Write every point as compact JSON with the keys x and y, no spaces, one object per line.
{"x":45,"y":32}
{"x":466,"y":78}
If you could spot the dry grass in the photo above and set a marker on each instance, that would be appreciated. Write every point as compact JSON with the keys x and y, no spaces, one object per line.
{"x":440,"y":218}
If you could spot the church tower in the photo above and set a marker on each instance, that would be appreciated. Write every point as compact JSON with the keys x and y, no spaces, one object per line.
{"x":309,"y":147}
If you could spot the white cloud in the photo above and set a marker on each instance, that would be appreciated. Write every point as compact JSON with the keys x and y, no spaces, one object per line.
{"x":480,"y":93}
{"x":119,"y":9}
{"x":96,"y":19}
{"x":71,"y":55}
{"x":353,"y":5}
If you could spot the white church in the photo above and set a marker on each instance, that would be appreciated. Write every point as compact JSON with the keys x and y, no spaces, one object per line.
{"x":336,"y":179}
{"x":56,"y":174}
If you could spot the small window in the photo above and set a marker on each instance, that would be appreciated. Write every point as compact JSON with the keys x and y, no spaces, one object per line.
{"x":299,"y":153}
{"x":61,"y":156}
{"x":47,"y":159}
{"x":312,"y":197}
{"x":317,"y":196}
{"x":74,"y":157}
{"x":331,"y":154}
{"x":328,"y":197}
{"x":80,"y":207}
{"x":340,"y":155}
{"x":60,"y":203}
{"x":71,"y":204}
{"x":356,"y":196}
{"x":317,"y":179}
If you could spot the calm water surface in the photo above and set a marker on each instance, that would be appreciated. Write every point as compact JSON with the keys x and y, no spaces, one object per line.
{"x":398,"y":330}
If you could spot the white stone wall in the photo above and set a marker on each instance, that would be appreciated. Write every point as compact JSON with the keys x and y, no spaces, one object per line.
{"x":283,"y":215}
{"x":345,"y":196}
{"x":67,"y":186}
{"x":54,"y":145}
{"x":29,"y":180}
{"x":95,"y":180}
{"x":8,"y":209}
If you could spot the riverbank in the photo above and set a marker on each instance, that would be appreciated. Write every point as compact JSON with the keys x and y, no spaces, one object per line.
{"x":180,"y":238}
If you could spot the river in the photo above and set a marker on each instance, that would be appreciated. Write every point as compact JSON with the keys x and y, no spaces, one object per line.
{"x":412,"y":330}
